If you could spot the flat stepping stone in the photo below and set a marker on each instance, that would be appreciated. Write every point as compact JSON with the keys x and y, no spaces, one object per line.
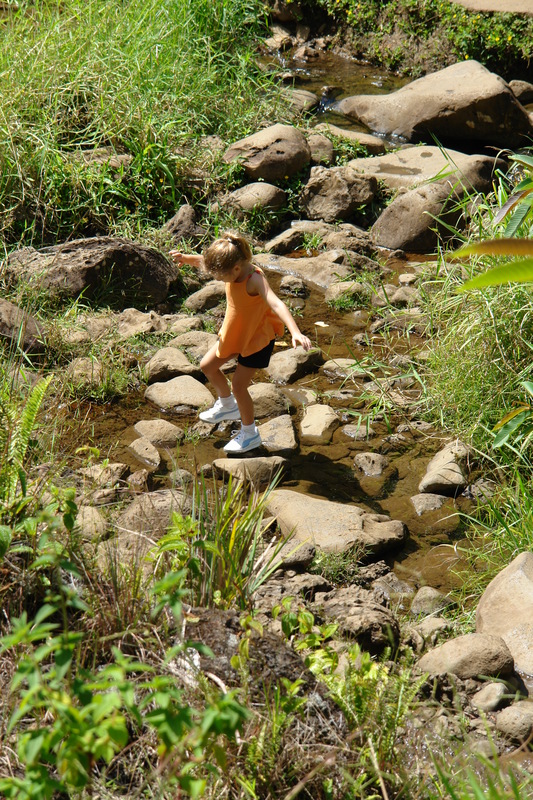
{"x":160,"y":432}
{"x":144,"y":451}
{"x":277,"y":435}
{"x":291,"y":365}
{"x":333,"y":527}
{"x":258,"y":471}
{"x":169,"y":362}
{"x":318,"y":424}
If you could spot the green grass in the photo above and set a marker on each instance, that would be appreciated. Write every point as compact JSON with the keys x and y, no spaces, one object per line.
{"x":147,"y":79}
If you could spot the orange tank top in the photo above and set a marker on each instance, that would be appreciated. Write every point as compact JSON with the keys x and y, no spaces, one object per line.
{"x":249,"y":324}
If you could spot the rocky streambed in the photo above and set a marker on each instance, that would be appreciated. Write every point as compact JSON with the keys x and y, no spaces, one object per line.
{"x":360,"y":471}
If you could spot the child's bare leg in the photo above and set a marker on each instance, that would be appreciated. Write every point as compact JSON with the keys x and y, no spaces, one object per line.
{"x":210,"y":366}
{"x":242,"y":379}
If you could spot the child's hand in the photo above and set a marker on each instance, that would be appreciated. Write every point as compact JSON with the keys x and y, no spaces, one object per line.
{"x":177,"y":257}
{"x":299,"y":338}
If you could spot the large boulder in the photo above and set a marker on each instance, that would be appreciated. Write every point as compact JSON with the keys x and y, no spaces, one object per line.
{"x":411,"y":166}
{"x":333,"y":527}
{"x":290,"y":365}
{"x":181,"y":395}
{"x":321,"y":269}
{"x":118,"y":272}
{"x":343,"y":236}
{"x":462,"y":102}
{"x":254,"y":196}
{"x":506,"y":610}
{"x":336,"y":193}
{"x":445,"y":473}
{"x":274,"y":153}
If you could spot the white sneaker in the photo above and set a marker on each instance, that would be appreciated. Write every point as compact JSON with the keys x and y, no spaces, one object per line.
{"x":218,"y":412}
{"x":243,"y":442}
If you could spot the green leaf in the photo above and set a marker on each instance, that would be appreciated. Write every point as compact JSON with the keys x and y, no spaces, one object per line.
{"x":510,"y":427}
{"x":497,"y":247}
{"x":512,"y":272}
{"x":528,"y":386}
{"x":511,"y":415}
{"x":5,"y":539}
{"x":513,"y":201}
{"x":525,"y":161}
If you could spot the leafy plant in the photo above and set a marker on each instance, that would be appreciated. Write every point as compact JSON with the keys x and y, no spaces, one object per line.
{"x":221,"y":544}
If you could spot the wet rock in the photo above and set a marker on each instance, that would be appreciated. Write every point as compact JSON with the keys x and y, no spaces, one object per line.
{"x":268,"y":400}
{"x":132,"y":322}
{"x":291,"y":365}
{"x":412,"y":166}
{"x":259,"y":472}
{"x":300,"y":396}
{"x":20,"y":327}
{"x":181,"y":478}
{"x":371,"y":464}
{"x":373,"y":144}
{"x":342,"y":368}
{"x":444,"y":473}
{"x":491,"y":697}
{"x":465,"y":99}
{"x":138,"y":481}
{"x":516,"y":721}
{"x":160,"y":432}
{"x":274,"y":153}
{"x":169,"y":362}
{"x":423,"y":503}
{"x":90,"y":523}
{"x":279,"y":38}
{"x":149,"y":514}
{"x":506,"y":610}
{"x":360,"y":617}
{"x":183,"y":224}
{"x":429,"y":601}
{"x":333,"y":527}
{"x":358,"y":433}
{"x":336,"y":193}
{"x":144,"y":451}
{"x":318,"y":424}
{"x":185,"y":324}
{"x":181,"y":395}
{"x":130,"y":271}
{"x":195,"y":343}
{"x":481,"y":490}
{"x":85,"y":371}
{"x":392,"y":589}
{"x":293,"y":285}
{"x":207,"y":297}
{"x":254,"y":196}
{"x":321,"y":148}
{"x":277,"y":435}
{"x":469,"y":656}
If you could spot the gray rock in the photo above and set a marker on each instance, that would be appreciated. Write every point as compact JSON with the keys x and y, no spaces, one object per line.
{"x":321,"y":148}
{"x":149,"y":514}
{"x":160,"y":432}
{"x":371,"y":464}
{"x":300,"y":396}
{"x":464,"y":100}
{"x":318,"y":424}
{"x":85,"y":371}
{"x":104,"y":476}
{"x":293,"y":285}
{"x":336,"y":193}
{"x":469,"y":656}
{"x":423,"y":503}
{"x":185,"y":324}
{"x":182,"y":395}
{"x":20,"y":327}
{"x":321,"y":269}
{"x":333,"y":527}
{"x":341,"y":368}
{"x":195,"y":343}
{"x":523,"y":91}
{"x":259,"y":472}
{"x":183,"y":224}
{"x":207,"y":297}
{"x":297,"y":556}
{"x":273,"y":153}
{"x":132,"y":322}
{"x":343,"y":236}
{"x":444,"y":473}
{"x":516,"y":721}
{"x":430,"y":627}
{"x":144,"y":451}
{"x":90,"y":523}
{"x":428,"y":601}
{"x":169,"y":362}
{"x":506,"y":609}
{"x":302,"y":101}
{"x":268,"y":400}
{"x":290,"y":365}
{"x":360,"y":617}
{"x":277,"y":435}
{"x":130,"y":271}
{"x":358,"y":433}
{"x":491,"y":697}
{"x":351,"y":289}
{"x":252,"y":196}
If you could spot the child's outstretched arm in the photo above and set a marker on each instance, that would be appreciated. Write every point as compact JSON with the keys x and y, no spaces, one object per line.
{"x":259,"y":284}
{"x":193,"y":259}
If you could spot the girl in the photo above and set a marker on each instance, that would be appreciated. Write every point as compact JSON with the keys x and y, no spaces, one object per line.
{"x":255,"y":316}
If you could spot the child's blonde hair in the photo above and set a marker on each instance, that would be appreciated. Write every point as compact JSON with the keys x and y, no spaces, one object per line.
{"x":221,"y":256}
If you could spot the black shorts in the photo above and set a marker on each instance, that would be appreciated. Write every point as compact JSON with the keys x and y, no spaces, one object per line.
{"x":258,"y":360}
